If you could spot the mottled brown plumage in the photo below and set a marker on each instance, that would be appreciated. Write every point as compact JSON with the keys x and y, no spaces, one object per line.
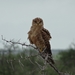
{"x":40,"y":36}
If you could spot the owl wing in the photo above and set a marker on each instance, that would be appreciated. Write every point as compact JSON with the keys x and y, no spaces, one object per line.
{"x":47,"y":33}
{"x":47,"y":43}
{"x":48,"y":46}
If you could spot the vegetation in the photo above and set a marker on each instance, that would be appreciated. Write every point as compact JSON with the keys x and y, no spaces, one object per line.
{"x":67,"y":60}
{"x":27,"y":62}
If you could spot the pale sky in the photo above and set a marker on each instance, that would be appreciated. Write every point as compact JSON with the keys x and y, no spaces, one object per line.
{"x":58,"y":16}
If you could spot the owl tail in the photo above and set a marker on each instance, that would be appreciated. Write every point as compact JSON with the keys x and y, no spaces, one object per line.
{"x":50,"y":59}
{"x":48,"y":51}
{"x":47,"y":57}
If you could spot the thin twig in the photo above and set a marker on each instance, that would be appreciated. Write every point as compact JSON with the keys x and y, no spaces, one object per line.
{"x":21,"y":63}
{"x":12,"y":65}
{"x":39,"y":65}
{"x":31,"y":61}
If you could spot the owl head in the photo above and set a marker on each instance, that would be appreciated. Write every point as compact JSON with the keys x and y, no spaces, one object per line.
{"x":37,"y":22}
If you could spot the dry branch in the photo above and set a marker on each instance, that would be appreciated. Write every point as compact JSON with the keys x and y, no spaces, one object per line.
{"x":23,"y":44}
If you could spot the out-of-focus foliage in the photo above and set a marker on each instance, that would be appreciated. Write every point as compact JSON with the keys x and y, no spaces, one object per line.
{"x":23,"y":62}
{"x":19,"y":61}
{"x":68,"y":57}
{"x":67,"y":60}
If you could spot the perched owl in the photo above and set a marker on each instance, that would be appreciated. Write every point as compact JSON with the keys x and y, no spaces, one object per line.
{"x":39,"y":36}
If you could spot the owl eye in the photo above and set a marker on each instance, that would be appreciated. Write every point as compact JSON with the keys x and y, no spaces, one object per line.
{"x":40,"y":21}
{"x":35,"y":21}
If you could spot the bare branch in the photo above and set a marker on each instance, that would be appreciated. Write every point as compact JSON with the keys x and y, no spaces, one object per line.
{"x":39,"y":65}
{"x":31,"y":61}
{"x":23,"y":44}
{"x":21,"y":65}
{"x":12,"y":65}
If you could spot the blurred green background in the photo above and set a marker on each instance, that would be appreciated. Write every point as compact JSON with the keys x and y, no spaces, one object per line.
{"x":25,"y":61}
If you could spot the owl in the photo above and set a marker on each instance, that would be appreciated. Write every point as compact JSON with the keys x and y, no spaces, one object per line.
{"x":39,"y":36}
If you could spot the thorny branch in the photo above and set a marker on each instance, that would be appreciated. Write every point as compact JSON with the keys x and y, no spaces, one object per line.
{"x":23,"y":44}
{"x":41,"y":54}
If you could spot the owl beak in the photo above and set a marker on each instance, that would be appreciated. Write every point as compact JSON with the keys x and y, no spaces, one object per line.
{"x":37,"y":23}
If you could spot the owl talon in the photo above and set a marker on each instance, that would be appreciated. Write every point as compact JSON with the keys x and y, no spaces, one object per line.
{"x":42,"y":50}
